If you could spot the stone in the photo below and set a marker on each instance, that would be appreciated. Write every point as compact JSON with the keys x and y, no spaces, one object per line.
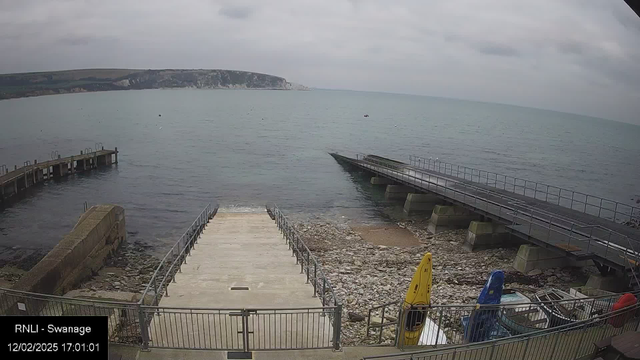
{"x":356,"y":317}
{"x":375,"y":320}
{"x":534,"y":272}
{"x":552,"y":278}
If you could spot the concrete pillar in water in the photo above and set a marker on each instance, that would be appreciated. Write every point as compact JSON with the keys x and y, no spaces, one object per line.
{"x":485,"y":235}
{"x":446,"y":217}
{"x":116,"y":154}
{"x":395,"y":192}
{"x":420,"y":203}
{"x":377,"y":180}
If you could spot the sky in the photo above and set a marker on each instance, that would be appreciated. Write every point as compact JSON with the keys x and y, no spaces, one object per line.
{"x":578,"y":56}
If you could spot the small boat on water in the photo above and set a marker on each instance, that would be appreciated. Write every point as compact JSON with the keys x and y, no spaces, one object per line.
{"x":519,"y":316}
{"x":561,"y":307}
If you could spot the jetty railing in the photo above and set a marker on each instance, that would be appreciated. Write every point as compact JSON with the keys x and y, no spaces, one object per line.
{"x":575,"y":200}
{"x":172,"y":262}
{"x":567,"y":342}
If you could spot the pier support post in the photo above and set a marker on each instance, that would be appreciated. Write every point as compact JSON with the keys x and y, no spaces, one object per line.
{"x":446,"y":217}
{"x":533,"y":257}
{"x":116,"y":154}
{"x":485,"y":235}
{"x":420,"y":203}
{"x":395,"y":192}
{"x":73,"y":167}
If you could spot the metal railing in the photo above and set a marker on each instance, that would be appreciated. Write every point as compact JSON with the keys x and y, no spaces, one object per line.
{"x":190,"y":328}
{"x":311,"y":268}
{"x":447,"y":325}
{"x":570,"y":341}
{"x":308,"y":262}
{"x":610,"y":246}
{"x":588,"y":204}
{"x":172,"y":262}
{"x":124,"y":325}
{"x":242,"y":329}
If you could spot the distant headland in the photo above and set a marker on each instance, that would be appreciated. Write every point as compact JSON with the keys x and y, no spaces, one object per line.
{"x":85,"y":80}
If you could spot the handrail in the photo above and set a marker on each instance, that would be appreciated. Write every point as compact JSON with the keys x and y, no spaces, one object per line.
{"x":564,"y":328}
{"x":183,"y":246}
{"x":437,"y":165}
{"x":299,"y":248}
{"x":508,"y":211}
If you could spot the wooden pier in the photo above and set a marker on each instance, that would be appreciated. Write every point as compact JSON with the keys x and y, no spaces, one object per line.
{"x":18,"y":180}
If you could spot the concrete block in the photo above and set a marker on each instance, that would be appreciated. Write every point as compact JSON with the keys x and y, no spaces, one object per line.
{"x":609,"y":283}
{"x":446,"y":217}
{"x":531,"y":257}
{"x":395,"y":192}
{"x":485,"y":235}
{"x":79,"y":253}
{"x":420,"y":203}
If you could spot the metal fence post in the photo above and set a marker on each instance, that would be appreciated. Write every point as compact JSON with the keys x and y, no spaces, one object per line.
{"x":324,"y":289}
{"x":438,"y":329}
{"x":337,"y":326}
{"x":307,"y":265}
{"x":493,"y":349}
{"x":584,"y":328}
{"x":315,"y":279}
{"x":144,"y":334}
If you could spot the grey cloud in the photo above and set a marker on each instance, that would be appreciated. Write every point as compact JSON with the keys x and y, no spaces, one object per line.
{"x":571,"y":47}
{"x":235,"y":12}
{"x":75,"y":40}
{"x":497,"y":49}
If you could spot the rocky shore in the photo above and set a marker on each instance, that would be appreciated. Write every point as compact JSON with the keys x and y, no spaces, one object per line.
{"x":129,"y":270}
{"x":365,"y":275}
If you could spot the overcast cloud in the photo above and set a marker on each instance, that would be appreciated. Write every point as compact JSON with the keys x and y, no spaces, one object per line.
{"x":579,"y":56}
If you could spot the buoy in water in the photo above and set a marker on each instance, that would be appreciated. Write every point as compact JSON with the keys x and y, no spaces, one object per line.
{"x":159,"y":114}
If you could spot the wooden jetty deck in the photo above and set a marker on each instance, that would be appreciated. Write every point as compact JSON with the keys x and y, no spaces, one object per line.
{"x":19,"y":179}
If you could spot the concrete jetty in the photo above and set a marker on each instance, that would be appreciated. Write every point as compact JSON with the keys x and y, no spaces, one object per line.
{"x":19,"y":179}
{"x":563,"y":223}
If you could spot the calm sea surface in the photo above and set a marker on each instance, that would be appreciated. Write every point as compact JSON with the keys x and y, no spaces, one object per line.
{"x":245,"y":148}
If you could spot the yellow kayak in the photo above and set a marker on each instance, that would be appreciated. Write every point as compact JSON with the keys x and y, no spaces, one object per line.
{"x":417,"y":300}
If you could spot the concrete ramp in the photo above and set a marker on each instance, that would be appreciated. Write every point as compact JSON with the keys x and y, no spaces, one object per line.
{"x":236,"y":251}
{"x":241,"y":275}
